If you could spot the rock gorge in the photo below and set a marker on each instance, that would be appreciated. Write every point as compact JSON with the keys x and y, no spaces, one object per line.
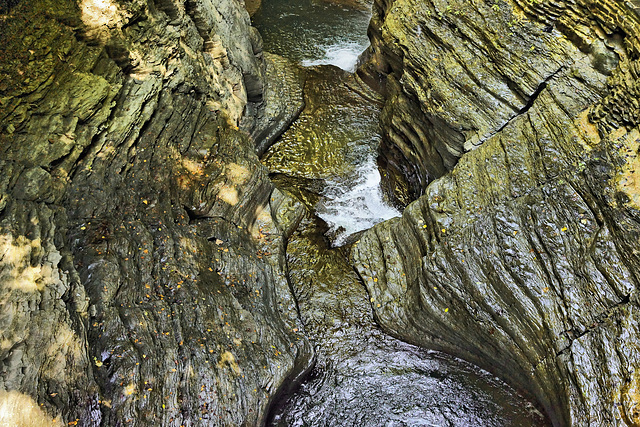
{"x":144,"y":277}
{"x":142,"y":242}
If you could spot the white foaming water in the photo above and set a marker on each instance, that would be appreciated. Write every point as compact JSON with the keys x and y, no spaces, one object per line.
{"x":355,"y":205}
{"x":343,"y":55}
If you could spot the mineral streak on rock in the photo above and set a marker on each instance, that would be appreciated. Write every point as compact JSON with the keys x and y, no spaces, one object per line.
{"x":521,"y":255}
{"x":142,"y":272}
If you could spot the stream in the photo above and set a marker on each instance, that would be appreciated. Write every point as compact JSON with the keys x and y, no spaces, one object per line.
{"x":327,"y":159}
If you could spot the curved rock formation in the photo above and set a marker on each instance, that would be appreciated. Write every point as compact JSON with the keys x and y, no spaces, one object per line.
{"x":141,"y":242}
{"x":523,"y":256}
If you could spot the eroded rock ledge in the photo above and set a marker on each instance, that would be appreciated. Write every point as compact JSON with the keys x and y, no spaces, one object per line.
{"x":523,"y":256}
{"x":141,"y":242}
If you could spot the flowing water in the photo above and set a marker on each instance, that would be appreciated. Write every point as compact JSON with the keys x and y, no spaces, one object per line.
{"x":363,"y":377}
{"x":334,"y":143}
{"x":326,"y":158}
{"x":313,"y":32}
{"x":320,"y":33}
{"x":354,"y":203}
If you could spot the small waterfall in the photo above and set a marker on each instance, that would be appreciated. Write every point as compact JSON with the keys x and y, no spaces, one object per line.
{"x":355,"y":204}
{"x":343,"y":54}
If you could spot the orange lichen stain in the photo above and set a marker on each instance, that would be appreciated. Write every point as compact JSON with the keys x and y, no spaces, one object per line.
{"x":129,"y":390}
{"x":228,"y":359}
{"x":195,"y":168}
{"x":588,"y":131}
{"x":630,"y":397}
{"x":184,"y":181}
{"x":263,"y":224}
{"x":628,"y":179}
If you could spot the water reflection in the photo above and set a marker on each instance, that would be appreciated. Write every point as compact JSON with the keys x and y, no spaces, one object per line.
{"x":327,"y":158}
{"x":335,"y":141}
{"x":366,"y":378}
{"x":313,"y":32}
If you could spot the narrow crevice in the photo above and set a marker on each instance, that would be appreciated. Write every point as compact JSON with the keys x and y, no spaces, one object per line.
{"x":54,"y":164}
{"x":84,"y":154}
{"x":601,"y":320}
{"x":289,"y":387}
{"x":191,"y":8}
{"x":532,"y":99}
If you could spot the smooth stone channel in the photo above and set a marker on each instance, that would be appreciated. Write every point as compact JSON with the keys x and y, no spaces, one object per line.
{"x":327,"y":159}
{"x":361,"y":376}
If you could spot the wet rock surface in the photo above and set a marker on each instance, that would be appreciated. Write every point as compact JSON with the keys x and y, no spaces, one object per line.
{"x":152,"y":274}
{"x":522,"y":257}
{"x":142,"y":243}
{"x":327,"y":156}
{"x":332,"y":132}
{"x":363,"y":376}
{"x":456,"y":73}
{"x":283,"y":102}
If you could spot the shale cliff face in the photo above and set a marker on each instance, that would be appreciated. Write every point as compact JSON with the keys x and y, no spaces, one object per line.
{"x":141,"y":243}
{"x":523,"y":256}
{"x":142,"y":268}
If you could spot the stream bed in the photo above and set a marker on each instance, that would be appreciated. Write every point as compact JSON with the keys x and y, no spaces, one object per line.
{"x":314,"y":32}
{"x":329,"y":153}
{"x":326,"y":159}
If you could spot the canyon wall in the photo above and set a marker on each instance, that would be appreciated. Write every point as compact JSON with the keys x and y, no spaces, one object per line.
{"x":515,"y":125}
{"x":142,"y":274}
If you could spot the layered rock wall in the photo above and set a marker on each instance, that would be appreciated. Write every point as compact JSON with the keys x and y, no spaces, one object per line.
{"x":141,"y":242}
{"x":523,"y":256}
{"x":456,"y":72}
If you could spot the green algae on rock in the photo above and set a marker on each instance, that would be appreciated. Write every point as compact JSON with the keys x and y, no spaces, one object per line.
{"x":141,"y":242}
{"x":327,"y":156}
{"x":521,"y":257}
{"x":330,"y":134}
{"x":143,"y":264}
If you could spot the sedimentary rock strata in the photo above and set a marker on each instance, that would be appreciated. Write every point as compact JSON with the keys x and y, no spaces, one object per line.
{"x":141,"y":242}
{"x":522,"y":257}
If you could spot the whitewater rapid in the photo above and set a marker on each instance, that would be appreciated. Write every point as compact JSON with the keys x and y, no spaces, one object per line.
{"x":354,"y":204}
{"x":343,"y":54}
